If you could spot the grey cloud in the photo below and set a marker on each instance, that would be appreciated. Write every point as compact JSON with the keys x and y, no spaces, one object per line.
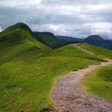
{"x":10,"y":16}
{"x":78,"y":18}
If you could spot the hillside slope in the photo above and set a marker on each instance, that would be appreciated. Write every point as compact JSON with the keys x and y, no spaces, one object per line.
{"x":53,"y":41}
{"x":17,"y":39}
{"x":28,"y":69}
{"x":99,"y":51}
{"x":26,"y":84}
{"x":99,"y":83}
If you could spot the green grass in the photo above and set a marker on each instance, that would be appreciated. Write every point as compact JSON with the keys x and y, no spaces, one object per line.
{"x":103,"y":52}
{"x":26,"y":82}
{"x":100,"y":82}
{"x":28,"y":69}
{"x":14,"y":43}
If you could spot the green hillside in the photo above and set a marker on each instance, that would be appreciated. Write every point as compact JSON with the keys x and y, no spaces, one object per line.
{"x":100,"y":82}
{"x":28,"y":69}
{"x":102,"y":52}
{"x":17,"y":40}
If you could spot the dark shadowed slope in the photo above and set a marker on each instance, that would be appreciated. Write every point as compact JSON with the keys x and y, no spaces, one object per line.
{"x":69,"y":39}
{"x":53,"y":41}
{"x":49,"y":39}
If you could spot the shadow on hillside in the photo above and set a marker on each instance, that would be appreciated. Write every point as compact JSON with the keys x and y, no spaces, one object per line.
{"x":49,"y":109}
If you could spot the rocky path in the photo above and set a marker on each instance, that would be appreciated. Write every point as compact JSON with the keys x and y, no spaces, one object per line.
{"x":70,"y":96}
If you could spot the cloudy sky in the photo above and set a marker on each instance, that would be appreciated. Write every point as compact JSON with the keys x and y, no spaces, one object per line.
{"x":77,"y":18}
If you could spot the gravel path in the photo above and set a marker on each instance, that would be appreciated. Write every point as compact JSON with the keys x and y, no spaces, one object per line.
{"x":70,"y":96}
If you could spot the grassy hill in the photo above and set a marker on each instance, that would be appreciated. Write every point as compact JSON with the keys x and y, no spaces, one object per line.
{"x":16,"y":40}
{"x":102,"y":52}
{"x":28,"y":69}
{"x":100,"y":82}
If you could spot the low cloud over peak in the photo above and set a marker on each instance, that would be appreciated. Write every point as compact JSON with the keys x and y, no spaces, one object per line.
{"x":62,"y":17}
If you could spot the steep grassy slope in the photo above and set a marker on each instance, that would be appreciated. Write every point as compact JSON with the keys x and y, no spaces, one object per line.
{"x":28,"y":69}
{"x":16,"y":40}
{"x":100,"y":82}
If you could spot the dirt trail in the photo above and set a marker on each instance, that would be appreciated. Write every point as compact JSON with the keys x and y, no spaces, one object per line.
{"x":70,"y":96}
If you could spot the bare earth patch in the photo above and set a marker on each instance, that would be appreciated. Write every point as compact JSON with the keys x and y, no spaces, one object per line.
{"x":70,"y":96}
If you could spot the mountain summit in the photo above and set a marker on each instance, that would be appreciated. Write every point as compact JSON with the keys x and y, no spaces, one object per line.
{"x":19,"y":25}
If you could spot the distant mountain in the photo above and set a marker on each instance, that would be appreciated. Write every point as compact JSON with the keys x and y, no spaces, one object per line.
{"x":99,"y":41}
{"x":93,"y":39}
{"x":69,"y":39}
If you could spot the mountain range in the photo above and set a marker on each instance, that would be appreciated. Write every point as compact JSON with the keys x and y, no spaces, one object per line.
{"x":56,"y":41}
{"x":64,"y":40}
{"x":93,"y":39}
